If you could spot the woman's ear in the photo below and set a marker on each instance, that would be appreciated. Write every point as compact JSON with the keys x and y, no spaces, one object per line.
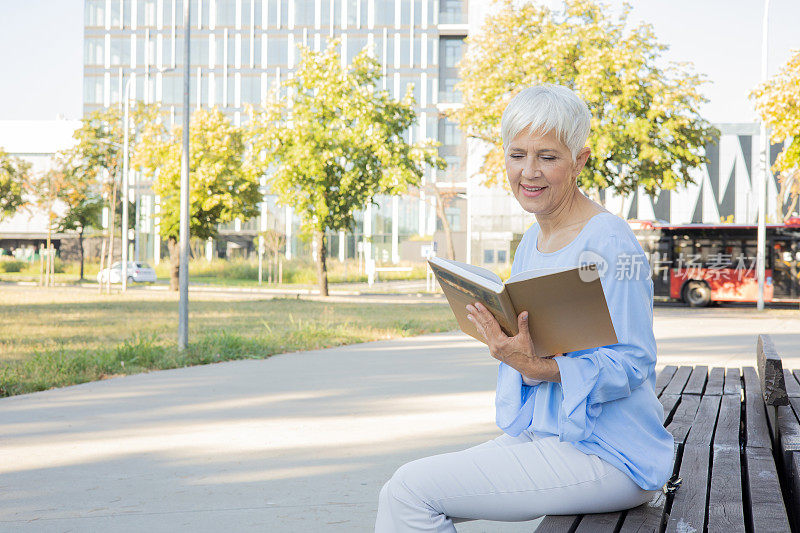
{"x":580,"y":161}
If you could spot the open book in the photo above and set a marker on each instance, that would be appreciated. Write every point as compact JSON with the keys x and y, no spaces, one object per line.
{"x":566,"y":307}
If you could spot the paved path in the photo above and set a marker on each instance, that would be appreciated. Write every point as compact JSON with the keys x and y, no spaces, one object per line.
{"x":296,"y":443}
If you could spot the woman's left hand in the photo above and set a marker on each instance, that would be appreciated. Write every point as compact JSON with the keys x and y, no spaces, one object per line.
{"x":517,"y":351}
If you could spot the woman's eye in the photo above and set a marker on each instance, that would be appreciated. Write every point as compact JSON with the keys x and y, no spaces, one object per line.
{"x":548,"y":158}
{"x":516,"y":157}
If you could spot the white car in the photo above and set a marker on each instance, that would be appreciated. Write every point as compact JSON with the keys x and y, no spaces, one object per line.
{"x":137,"y":272}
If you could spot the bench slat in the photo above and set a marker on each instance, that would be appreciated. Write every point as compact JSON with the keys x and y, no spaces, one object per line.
{"x":663,"y":378}
{"x":716,"y":381}
{"x":688,"y":511}
{"x":697,"y":380}
{"x":794,"y":484}
{"x":558,"y":524}
{"x":599,"y":522}
{"x":770,"y":372}
{"x":678,"y":381}
{"x":645,"y":518}
{"x":669,"y":402}
{"x":792,"y":386}
{"x":768,"y":511}
{"x":732,"y":383}
{"x":727,"y":432}
{"x":757,"y":432}
{"x":725,"y":509}
{"x":683,"y":418}
{"x":703,"y":426}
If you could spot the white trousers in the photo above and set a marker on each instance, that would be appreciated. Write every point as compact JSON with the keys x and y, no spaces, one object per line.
{"x":506,"y":479}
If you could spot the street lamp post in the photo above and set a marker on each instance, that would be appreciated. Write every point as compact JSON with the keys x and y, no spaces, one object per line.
{"x":183,"y":269}
{"x":762,"y":184}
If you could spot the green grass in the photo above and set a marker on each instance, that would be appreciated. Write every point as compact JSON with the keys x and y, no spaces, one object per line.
{"x":64,"y":336}
{"x":236,"y":272}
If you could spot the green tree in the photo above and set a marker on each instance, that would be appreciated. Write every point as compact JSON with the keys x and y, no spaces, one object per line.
{"x":81,"y":198}
{"x":222,"y":186}
{"x":337,"y":144}
{"x":94,"y":163}
{"x":645,"y":129}
{"x":778,"y":103}
{"x":15,"y":173}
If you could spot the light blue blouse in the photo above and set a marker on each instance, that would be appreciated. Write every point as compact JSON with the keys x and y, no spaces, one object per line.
{"x":605,"y":404}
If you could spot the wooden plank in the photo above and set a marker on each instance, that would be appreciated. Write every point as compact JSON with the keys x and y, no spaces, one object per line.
{"x":728,"y":422}
{"x":794,"y":485}
{"x":792,"y":386}
{"x":688,"y":511}
{"x":663,"y":378}
{"x":767,"y":508}
{"x":599,"y":522}
{"x":788,"y":431}
{"x":702,"y":429}
{"x":757,"y":433}
{"x":716,"y":381}
{"x":725,"y":509}
{"x":697,"y":380}
{"x":732,"y":383}
{"x":678,"y":381}
{"x":770,"y":372}
{"x":559,"y":524}
{"x":646,"y":518}
{"x":668,"y":402}
{"x":683,"y":417}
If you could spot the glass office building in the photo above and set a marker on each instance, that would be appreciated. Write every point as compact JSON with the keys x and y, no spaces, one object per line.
{"x":243,"y":48}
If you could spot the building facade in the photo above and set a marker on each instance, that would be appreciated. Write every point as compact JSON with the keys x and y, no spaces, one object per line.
{"x":243,"y":48}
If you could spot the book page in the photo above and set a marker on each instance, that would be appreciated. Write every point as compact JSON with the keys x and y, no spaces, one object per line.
{"x":480,"y":276}
{"x":537,"y":272}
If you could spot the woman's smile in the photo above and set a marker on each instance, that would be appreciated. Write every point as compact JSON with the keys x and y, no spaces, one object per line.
{"x":532,"y":191}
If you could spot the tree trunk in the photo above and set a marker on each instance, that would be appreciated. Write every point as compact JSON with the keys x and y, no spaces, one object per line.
{"x":448,"y":232}
{"x":322,"y":267}
{"x":174,"y":263}
{"x":80,"y":245}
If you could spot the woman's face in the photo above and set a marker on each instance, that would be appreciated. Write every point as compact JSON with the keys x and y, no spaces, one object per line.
{"x":541,"y":171}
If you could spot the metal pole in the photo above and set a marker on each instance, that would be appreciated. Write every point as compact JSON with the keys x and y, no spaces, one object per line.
{"x":762,"y":186}
{"x":183,"y":272}
{"x":125,"y":128}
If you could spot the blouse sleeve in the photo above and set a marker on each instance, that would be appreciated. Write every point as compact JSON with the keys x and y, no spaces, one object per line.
{"x":591,"y":377}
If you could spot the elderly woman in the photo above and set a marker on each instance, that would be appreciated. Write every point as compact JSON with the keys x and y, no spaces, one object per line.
{"x":582,"y":431}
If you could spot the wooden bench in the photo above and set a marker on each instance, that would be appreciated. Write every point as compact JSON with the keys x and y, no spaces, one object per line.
{"x":737,"y":452}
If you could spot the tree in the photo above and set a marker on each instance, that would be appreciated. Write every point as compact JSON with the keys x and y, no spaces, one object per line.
{"x":223,"y":186}
{"x":95,"y":163}
{"x":778,"y":103}
{"x":14,"y":175}
{"x":645,"y":128}
{"x":338,"y":144}
{"x":81,"y":197}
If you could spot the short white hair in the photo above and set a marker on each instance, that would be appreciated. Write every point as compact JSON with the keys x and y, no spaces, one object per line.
{"x":548,"y":107}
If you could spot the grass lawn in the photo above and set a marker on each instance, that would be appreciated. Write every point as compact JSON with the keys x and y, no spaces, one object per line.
{"x":63,"y":336}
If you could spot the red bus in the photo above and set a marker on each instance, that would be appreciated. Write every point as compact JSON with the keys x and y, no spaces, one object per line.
{"x":703,"y":263}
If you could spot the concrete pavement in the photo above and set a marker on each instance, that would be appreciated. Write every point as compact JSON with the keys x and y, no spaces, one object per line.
{"x":294,"y":443}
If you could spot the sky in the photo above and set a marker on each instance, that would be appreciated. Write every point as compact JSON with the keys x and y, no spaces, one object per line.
{"x":41,"y":43}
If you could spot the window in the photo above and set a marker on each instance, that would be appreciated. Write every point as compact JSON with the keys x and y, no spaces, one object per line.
{"x":304,"y":13}
{"x":451,"y":52}
{"x":93,"y":51}
{"x":501,"y":256}
{"x":488,"y":256}
{"x":226,"y":13}
{"x":93,"y":90}
{"x":447,"y":90}
{"x":120,"y":51}
{"x":116,"y":15}
{"x":384,"y":12}
{"x":95,"y":13}
{"x":199,"y":54}
{"x":449,"y":134}
{"x":251,"y":89}
{"x":452,"y":12}
{"x":277,"y":51}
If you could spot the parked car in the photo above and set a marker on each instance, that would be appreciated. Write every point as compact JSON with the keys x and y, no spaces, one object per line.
{"x":137,"y":273}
